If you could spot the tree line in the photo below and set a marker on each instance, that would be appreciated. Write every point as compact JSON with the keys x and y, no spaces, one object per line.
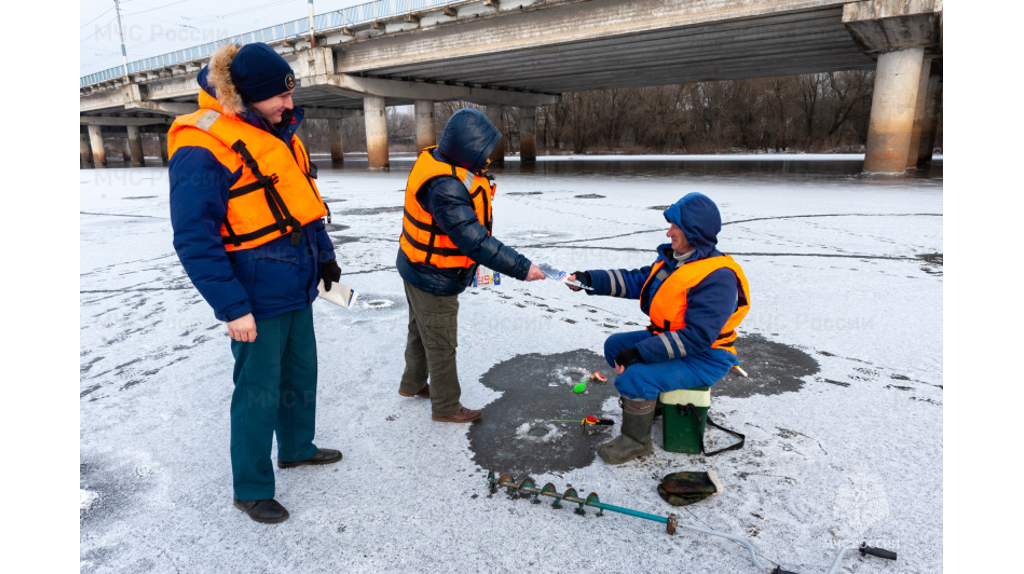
{"x":823,"y":112}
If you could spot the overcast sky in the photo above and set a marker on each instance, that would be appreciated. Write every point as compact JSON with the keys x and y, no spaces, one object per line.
{"x":154,"y":27}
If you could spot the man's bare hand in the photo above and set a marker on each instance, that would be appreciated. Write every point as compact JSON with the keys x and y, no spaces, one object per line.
{"x":572,"y":278}
{"x":243,"y":329}
{"x":619,"y":369}
{"x":535,"y":273}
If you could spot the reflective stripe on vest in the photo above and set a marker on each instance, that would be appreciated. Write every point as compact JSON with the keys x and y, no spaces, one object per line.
{"x":422,"y":240}
{"x":668,"y":305}
{"x":289,"y":200}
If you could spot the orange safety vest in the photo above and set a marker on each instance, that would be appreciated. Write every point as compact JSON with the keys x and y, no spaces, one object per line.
{"x":422,"y":240}
{"x":289,"y":198}
{"x":668,"y":307}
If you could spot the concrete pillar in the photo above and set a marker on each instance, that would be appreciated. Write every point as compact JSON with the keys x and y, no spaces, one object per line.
{"x":919,"y":111}
{"x":376,"y":118}
{"x":138,"y":159}
{"x":163,"y":147}
{"x":494,"y":113}
{"x":86,"y":152}
{"x":337,"y":149}
{"x":527,"y":135}
{"x":302,"y":132}
{"x":425,"y":124}
{"x":892,"y":111}
{"x":99,"y":155}
{"x":931,"y":118}
{"x":126,"y":152}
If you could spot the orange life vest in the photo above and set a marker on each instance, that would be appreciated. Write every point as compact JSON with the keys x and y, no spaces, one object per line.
{"x":275,"y":194}
{"x":668,"y":307}
{"x":422,"y":240}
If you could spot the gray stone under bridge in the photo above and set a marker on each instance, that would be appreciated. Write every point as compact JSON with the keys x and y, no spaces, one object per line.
{"x":525,"y":53}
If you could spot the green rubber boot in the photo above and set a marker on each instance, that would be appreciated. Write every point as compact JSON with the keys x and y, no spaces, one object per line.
{"x":635,"y":440}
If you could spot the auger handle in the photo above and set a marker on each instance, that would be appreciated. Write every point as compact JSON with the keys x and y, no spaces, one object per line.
{"x":879,"y":552}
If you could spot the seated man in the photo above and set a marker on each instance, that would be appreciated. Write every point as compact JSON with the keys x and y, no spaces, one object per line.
{"x":696,"y":297}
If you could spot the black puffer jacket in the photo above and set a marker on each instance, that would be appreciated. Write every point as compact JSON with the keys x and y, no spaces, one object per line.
{"x":468,"y":139}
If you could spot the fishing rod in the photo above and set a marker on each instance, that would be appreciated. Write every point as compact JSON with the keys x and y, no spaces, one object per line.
{"x":671,"y":522}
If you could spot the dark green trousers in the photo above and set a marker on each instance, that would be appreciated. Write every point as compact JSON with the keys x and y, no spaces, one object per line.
{"x":275,"y":391}
{"x":430,"y":349}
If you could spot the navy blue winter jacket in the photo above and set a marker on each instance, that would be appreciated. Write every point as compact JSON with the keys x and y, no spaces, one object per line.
{"x":266,"y":281}
{"x":709,"y":304}
{"x":467,"y":141}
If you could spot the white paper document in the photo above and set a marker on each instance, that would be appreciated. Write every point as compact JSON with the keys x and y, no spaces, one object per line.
{"x":339,"y":294}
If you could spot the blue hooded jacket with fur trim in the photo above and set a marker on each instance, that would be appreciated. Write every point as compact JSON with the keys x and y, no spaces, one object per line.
{"x":266,"y":281}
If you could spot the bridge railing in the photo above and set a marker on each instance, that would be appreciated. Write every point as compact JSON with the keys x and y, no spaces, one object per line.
{"x":351,"y":16}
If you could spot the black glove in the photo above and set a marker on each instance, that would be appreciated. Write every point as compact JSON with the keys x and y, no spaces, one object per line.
{"x":629,"y":356}
{"x":583,"y":277}
{"x":330,"y":272}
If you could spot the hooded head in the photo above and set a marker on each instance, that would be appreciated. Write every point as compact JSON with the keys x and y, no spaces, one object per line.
{"x":699,"y":219}
{"x":468,"y":139}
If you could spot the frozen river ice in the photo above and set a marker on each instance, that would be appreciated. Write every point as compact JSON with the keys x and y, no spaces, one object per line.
{"x":842,"y":414}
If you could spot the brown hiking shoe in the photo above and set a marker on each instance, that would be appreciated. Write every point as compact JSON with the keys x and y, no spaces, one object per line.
{"x":463,"y":415}
{"x":424,"y":392}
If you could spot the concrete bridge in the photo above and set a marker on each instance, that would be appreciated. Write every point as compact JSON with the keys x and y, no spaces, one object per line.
{"x":525,"y":53}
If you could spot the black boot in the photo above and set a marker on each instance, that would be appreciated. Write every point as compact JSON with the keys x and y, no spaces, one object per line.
{"x":322,"y":456}
{"x":267,"y":511}
{"x":635,"y":440}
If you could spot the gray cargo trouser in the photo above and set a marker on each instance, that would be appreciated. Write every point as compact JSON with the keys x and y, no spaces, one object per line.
{"x":430,"y":349}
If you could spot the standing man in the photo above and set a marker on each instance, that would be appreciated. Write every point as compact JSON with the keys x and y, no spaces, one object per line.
{"x":446,"y":233}
{"x":696,"y":297}
{"x":248,"y":231}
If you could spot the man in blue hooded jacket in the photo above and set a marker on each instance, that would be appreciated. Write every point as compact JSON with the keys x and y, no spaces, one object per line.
{"x":695,"y":297}
{"x":228,"y":160}
{"x":446,"y":233}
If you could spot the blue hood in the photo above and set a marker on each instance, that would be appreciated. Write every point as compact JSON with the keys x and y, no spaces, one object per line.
{"x":468,"y":139}
{"x":700,"y":221}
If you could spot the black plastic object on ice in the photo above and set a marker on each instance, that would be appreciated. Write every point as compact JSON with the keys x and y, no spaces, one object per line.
{"x":879,"y":552}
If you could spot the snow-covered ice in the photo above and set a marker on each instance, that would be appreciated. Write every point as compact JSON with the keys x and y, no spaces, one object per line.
{"x":844,"y":269}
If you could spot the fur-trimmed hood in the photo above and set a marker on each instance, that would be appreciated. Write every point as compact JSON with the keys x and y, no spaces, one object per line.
{"x":215,"y":80}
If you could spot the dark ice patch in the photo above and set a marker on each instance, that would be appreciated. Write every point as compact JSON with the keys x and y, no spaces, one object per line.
{"x":774,"y":368}
{"x":516,"y":435}
{"x":589,"y":196}
{"x":659,"y":207}
{"x":524,"y":193}
{"x":933,"y":263}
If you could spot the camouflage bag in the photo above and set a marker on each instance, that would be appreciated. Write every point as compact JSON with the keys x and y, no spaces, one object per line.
{"x":683,"y":488}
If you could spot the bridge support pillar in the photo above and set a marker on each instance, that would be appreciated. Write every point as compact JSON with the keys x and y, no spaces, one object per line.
{"x":302,"y":132}
{"x":337,"y":148}
{"x":126,"y":152}
{"x":892,"y":111}
{"x":163,"y":148}
{"x":919,"y":111}
{"x":376,"y":118}
{"x":86,"y":152}
{"x":527,"y":135}
{"x":495,"y":113}
{"x":425,"y":136}
{"x":897,"y":33}
{"x":931,"y":117}
{"x":135,"y":147}
{"x":99,"y":155}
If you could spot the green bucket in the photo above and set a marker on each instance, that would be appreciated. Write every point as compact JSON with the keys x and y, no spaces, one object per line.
{"x":682,"y":428}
